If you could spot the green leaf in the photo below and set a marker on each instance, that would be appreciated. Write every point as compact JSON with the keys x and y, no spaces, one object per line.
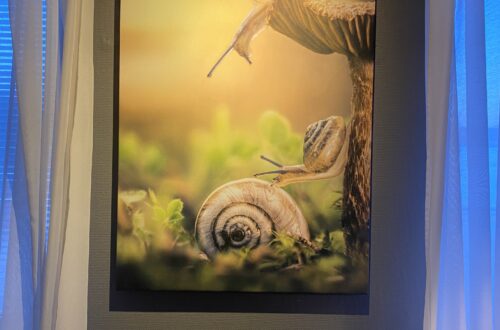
{"x":176,"y":217}
{"x":174,"y":208}
{"x":159,"y":214}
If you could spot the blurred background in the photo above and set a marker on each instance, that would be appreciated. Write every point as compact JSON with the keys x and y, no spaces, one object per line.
{"x":168,"y":47}
{"x":184,"y":134}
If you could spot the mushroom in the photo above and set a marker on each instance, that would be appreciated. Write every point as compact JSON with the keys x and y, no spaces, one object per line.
{"x":332,"y":26}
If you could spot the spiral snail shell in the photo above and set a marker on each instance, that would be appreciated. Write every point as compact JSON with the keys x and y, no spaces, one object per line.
{"x":323,"y":142}
{"x":325,"y":153}
{"x":245,"y":214}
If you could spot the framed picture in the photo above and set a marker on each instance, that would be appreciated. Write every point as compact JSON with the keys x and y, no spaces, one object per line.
{"x":242,"y":155}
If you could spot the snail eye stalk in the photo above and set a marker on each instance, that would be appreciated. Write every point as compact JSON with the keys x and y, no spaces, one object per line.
{"x":281,"y":171}
{"x":253,"y":24}
{"x":270,"y":172}
{"x":270,"y":161}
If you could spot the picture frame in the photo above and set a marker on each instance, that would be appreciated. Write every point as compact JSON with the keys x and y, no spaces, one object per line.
{"x":360,"y":52}
{"x":190,"y":301}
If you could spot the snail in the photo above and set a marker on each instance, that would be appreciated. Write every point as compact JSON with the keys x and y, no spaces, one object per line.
{"x":325,"y":154}
{"x":344,"y":27}
{"x":245,"y":214}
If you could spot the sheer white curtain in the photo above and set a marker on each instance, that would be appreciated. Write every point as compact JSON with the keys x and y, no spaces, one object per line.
{"x":463,"y":101}
{"x":72,"y":302}
{"x":52,"y":95}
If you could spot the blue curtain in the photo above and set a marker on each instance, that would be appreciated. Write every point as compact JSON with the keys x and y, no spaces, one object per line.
{"x":24,"y":24}
{"x":7,"y":139}
{"x":468,"y":294}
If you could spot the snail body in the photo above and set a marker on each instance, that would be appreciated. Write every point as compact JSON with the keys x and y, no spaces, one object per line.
{"x":325,"y":153}
{"x":245,"y":214}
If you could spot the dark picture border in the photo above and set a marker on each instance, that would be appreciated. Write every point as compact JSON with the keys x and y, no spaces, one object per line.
{"x":216,"y":301}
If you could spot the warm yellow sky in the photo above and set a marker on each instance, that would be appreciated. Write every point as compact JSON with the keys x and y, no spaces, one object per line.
{"x":168,"y":47}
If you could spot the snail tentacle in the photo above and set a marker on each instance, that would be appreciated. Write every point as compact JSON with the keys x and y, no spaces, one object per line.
{"x":267,"y":159}
{"x":253,"y":24}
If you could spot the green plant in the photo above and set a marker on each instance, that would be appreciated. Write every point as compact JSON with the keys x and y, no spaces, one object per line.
{"x":159,"y":200}
{"x":141,"y":164}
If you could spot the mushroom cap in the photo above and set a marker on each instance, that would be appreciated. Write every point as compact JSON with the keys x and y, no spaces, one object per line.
{"x":328,"y":26}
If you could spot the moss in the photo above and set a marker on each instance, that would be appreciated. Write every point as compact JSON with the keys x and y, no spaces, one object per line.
{"x":160,"y":254}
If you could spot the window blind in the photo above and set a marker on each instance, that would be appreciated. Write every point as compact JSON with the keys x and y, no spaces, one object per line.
{"x":9,"y":131}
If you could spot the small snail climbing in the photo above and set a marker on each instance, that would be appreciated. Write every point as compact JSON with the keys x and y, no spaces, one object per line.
{"x":325,"y":154}
{"x":245,"y":214}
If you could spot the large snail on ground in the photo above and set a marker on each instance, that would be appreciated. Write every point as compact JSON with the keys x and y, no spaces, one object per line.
{"x":245,"y":214}
{"x":325,"y":154}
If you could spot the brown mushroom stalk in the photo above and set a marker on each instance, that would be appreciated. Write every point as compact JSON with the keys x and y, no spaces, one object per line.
{"x":346,"y":27}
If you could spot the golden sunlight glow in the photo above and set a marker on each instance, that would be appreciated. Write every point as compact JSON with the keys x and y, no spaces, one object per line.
{"x":168,"y":47}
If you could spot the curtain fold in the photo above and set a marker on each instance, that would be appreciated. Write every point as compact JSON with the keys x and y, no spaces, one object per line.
{"x":439,"y":45}
{"x":451,"y":296}
{"x":24,"y":264}
{"x":26,"y":23}
{"x":49,"y":78}
{"x":60,"y":171}
{"x":72,"y":297}
{"x":478,"y":165}
{"x":463,"y":271}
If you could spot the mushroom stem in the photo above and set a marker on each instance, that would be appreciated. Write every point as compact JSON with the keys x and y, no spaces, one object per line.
{"x":357,"y":175}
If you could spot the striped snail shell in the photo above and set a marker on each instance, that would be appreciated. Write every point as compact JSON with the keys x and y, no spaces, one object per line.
{"x":323,"y":142}
{"x":325,"y":154}
{"x":245,"y":214}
